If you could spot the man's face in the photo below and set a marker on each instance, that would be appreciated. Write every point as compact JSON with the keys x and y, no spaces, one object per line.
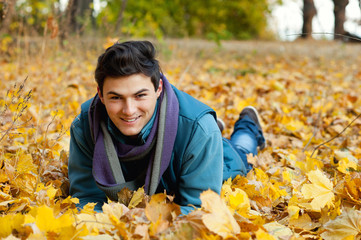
{"x":130,"y":101}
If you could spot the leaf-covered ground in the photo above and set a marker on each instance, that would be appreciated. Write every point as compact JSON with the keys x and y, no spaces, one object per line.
{"x":305,"y":185}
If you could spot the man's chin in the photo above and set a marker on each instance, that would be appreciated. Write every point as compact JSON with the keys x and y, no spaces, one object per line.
{"x":129,"y":133}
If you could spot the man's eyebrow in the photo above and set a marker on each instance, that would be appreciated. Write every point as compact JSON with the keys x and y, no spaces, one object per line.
{"x":136,"y":93}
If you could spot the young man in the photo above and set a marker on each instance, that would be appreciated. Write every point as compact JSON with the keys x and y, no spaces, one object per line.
{"x":140,"y":131}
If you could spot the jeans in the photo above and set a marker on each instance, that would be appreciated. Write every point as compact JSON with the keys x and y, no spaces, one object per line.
{"x":246,"y":137}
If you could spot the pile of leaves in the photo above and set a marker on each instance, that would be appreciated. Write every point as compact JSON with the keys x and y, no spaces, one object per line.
{"x":304,"y":185}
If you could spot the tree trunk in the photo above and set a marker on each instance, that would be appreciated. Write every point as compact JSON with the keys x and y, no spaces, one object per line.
{"x":78,"y":12}
{"x":7,"y":15}
{"x":309,"y":11}
{"x":340,"y":17}
{"x":118,"y":25}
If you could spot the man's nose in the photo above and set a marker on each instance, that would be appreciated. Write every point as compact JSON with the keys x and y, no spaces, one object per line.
{"x":129,"y":108}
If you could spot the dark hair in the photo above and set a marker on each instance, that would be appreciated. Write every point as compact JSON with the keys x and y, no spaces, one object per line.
{"x":128,"y":58}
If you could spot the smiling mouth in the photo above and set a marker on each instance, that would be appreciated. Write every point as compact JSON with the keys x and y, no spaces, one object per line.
{"x":130,"y":120}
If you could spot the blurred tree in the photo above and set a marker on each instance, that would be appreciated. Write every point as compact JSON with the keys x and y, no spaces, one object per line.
{"x":28,"y":16}
{"x":78,"y":13}
{"x":7,"y":11}
{"x":120,"y":14}
{"x":340,"y":17}
{"x":215,"y":19}
{"x":212,"y":19}
{"x":309,"y":11}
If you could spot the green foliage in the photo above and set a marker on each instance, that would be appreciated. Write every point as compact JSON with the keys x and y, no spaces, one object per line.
{"x":212,"y":19}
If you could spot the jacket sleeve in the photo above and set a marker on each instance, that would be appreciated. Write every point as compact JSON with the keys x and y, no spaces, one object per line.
{"x":82,"y":183}
{"x":202,"y":165}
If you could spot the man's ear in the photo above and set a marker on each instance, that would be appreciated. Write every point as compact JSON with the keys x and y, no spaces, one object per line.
{"x":100,"y":95}
{"x":160,"y":87}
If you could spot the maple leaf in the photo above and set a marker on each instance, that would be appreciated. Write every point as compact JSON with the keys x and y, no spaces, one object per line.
{"x":137,"y":198}
{"x":10,"y":222}
{"x":304,"y":222}
{"x":346,"y":162}
{"x":320,"y":191}
{"x":261,"y":234}
{"x":218,"y":218}
{"x":352,"y":189}
{"x":278,"y":230}
{"x":236,"y":199}
{"x":158,"y":206}
{"x":295,"y":97}
{"x":293,"y":211}
{"x":114,"y":208}
{"x":125,"y":196}
{"x":47,"y":222}
{"x":345,"y":226}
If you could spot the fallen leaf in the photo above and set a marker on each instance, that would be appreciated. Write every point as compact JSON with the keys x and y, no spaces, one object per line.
{"x":320,"y":191}
{"x":345,"y":226}
{"x":218,"y":218}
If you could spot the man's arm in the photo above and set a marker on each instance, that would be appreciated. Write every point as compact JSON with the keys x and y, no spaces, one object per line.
{"x":202,"y":166}
{"x":82,"y":184}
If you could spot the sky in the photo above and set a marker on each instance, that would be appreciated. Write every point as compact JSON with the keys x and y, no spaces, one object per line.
{"x":287,"y":19}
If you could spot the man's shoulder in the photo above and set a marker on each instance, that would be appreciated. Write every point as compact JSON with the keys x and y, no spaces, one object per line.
{"x":80,"y":124}
{"x":85,"y":105}
{"x":191,"y":108}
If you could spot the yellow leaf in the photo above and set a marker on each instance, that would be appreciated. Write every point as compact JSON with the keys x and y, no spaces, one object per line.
{"x":57,"y":113}
{"x":320,"y":191}
{"x":29,"y":219}
{"x":3,"y":176}
{"x":309,"y":165}
{"x":293,"y":212}
{"x":345,"y":226}
{"x":345,"y":166}
{"x":89,"y":208}
{"x":14,"y":205}
{"x":87,"y":220}
{"x":98,"y":237}
{"x":158,"y":226}
{"x":71,"y":200}
{"x":238,"y":200}
{"x":261,"y":175}
{"x":137,"y":198}
{"x":158,"y":207}
{"x":260,"y":234}
{"x":109,"y":42}
{"x":46,"y":221}
{"x":25,"y":164}
{"x":114,"y":208}
{"x":10,"y":222}
{"x":276,"y":190}
{"x":104,"y":220}
{"x":294,"y":125}
{"x":304,"y":222}
{"x":218,"y":218}
{"x":346,"y":161}
{"x":51,"y":192}
{"x":278,"y":230}
{"x":286,"y":176}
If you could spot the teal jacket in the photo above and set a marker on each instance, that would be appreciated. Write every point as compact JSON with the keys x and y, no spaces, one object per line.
{"x":201,"y":158}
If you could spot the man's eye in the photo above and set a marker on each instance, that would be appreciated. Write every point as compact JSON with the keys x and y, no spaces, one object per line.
{"x":141,"y":95}
{"x":114,"y":98}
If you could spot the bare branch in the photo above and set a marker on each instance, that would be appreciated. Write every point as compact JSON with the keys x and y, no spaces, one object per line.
{"x":339,"y":134}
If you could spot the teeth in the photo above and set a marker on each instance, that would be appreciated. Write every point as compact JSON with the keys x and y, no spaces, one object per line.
{"x":130,"y":120}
